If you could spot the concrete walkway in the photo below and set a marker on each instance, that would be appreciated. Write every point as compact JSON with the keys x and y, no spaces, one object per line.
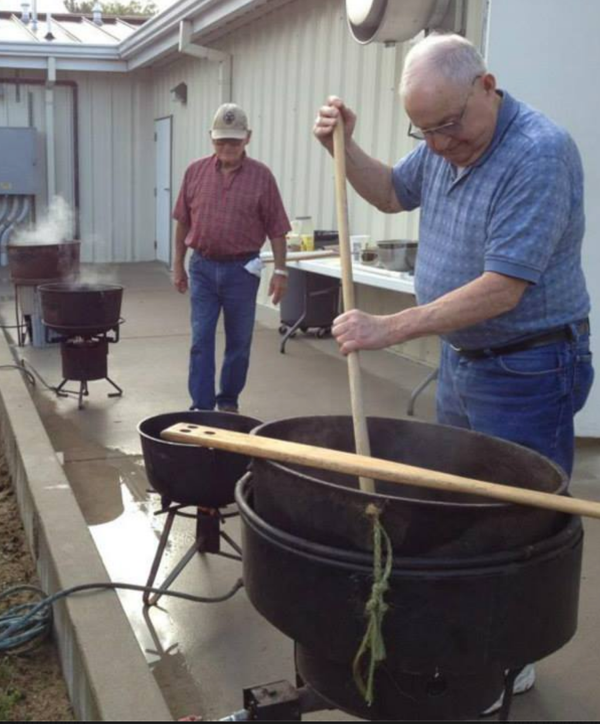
{"x":201,"y":656}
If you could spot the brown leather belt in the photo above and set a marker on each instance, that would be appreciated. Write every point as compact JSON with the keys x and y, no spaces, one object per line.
{"x":564,"y":334}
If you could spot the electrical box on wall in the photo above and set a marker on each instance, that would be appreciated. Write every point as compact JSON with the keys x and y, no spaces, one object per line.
{"x":19,"y":168}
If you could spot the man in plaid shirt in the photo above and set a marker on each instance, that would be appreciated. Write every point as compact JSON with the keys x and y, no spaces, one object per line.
{"x":227,"y":206}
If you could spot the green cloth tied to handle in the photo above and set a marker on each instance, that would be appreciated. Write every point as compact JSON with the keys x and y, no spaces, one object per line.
{"x":375,"y":609}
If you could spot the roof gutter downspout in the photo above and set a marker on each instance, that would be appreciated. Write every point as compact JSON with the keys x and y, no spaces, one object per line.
{"x":200,"y":51}
{"x":50,"y":145}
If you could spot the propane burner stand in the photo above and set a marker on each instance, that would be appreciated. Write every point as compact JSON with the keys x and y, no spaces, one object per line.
{"x":84,"y":358}
{"x":85,"y":319}
{"x":207,"y":540}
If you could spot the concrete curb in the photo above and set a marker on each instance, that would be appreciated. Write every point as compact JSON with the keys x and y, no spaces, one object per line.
{"x":106,"y":673}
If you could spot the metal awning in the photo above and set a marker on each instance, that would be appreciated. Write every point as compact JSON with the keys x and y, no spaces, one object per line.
{"x":118,"y":45}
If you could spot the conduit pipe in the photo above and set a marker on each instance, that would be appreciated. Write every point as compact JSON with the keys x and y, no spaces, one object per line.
{"x":7,"y":208}
{"x":3,"y":210}
{"x":18,"y":213}
{"x":50,"y":140}
{"x":11,"y":217}
{"x":22,"y":205}
{"x":200,"y":51}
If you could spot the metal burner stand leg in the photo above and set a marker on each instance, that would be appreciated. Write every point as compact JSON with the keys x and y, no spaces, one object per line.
{"x":151,"y":599}
{"x":209,"y":533}
{"x":59,"y":388}
{"x":83,"y":392}
{"x":291,"y":331}
{"x":114,"y":384}
{"x":410,"y":410}
{"x":509,"y":680}
{"x":208,"y":540}
{"x":20,"y":334}
{"x":148,"y":598}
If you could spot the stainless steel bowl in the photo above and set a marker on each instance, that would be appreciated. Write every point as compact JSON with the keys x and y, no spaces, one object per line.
{"x":398,"y":255}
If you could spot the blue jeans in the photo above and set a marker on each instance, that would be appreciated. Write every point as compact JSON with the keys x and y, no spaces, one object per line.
{"x":528,"y":397}
{"x":217,"y":286}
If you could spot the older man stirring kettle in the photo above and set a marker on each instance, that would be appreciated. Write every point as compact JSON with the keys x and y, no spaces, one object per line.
{"x":498,"y":275}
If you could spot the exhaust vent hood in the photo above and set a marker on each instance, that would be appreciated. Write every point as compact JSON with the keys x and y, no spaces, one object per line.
{"x":390,"y":21}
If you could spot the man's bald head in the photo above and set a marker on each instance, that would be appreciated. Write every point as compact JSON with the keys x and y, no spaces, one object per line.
{"x":446,"y":59}
{"x":450,"y":98}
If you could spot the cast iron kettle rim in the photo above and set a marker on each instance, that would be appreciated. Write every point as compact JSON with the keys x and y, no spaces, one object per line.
{"x":340,"y":557}
{"x":562,"y":490}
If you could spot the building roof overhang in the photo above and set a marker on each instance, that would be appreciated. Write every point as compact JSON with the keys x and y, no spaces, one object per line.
{"x":154,"y":42}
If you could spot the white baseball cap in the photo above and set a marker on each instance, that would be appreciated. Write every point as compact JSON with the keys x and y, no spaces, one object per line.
{"x":230,"y":121}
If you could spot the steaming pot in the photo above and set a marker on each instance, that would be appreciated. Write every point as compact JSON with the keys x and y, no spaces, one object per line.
{"x":32,"y":264}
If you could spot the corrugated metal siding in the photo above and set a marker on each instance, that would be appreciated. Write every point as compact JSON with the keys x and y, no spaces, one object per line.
{"x":284,"y":67}
{"x":63,"y":142}
{"x":115,"y":144}
{"x":116,"y":189}
{"x":191,"y":122}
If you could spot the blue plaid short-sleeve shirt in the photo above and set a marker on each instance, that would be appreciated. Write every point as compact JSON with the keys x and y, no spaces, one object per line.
{"x":517,"y":211}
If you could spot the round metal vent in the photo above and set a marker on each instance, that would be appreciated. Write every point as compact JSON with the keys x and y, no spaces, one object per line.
{"x":393,"y":20}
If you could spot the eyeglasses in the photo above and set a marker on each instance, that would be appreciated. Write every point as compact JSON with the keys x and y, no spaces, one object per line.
{"x":452,"y":128}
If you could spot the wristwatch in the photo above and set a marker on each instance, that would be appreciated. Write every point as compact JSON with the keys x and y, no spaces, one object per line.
{"x":281,"y":272}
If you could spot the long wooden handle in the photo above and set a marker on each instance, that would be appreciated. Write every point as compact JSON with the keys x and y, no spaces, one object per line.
{"x":361,"y":434}
{"x":374,"y":468}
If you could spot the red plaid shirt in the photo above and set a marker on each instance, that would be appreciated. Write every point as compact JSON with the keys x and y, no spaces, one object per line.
{"x":230,"y":214}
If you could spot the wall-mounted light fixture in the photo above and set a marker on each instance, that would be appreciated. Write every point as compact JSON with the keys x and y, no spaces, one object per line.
{"x":179,"y":93}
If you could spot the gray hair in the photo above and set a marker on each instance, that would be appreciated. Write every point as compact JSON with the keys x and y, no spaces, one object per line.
{"x":447,"y":56}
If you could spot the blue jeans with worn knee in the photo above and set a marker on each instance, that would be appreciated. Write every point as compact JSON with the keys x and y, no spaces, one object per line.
{"x":220,"y":286}
{"x":528,"y":397}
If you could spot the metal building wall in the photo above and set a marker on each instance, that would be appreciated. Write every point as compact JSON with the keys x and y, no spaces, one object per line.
{"x":284,"y":67}
{"x":116,"y":190}
{"x":190,"y":122}
{"x":115,"y":139}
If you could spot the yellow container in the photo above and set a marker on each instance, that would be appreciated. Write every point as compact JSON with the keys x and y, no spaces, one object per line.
{"x":308,"y":242}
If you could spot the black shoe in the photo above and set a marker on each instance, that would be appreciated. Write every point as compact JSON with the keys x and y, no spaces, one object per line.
{"x":229,"y":408}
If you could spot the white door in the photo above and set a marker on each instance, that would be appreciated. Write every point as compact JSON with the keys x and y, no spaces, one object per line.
{"x":162,"y":192}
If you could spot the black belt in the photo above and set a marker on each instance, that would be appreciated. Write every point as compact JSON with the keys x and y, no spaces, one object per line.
{"x":564,"y":334}
{"x":246,"y":256}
